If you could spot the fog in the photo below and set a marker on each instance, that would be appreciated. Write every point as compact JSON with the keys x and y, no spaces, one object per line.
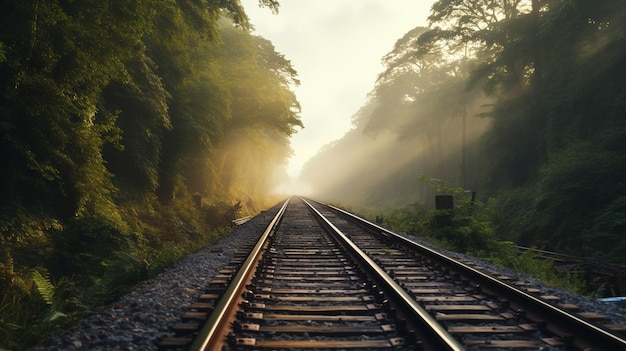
{"x":421,"y":118}
{"x":383,"y":168}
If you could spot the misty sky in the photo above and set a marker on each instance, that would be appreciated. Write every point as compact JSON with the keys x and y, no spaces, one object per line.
{"x":336,"y":46}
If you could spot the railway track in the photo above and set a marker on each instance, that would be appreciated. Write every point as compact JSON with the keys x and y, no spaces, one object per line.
{"x":320,"y":278}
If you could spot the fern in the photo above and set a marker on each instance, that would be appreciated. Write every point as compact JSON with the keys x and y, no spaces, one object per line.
{"x":44,"y":286}
{"x":46,"y":291}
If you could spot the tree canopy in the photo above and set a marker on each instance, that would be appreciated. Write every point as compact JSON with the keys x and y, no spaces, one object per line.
{"x":113,"y":116}
{"x":519,"y":100}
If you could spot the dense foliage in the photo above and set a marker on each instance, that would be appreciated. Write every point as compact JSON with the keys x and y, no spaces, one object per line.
{"x":113,"y":116}
{"x":522,"y":101}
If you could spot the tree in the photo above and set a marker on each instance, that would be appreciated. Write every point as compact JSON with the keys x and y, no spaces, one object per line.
{"x":140,"y":106}
{"x":264,"y":113}
{"x":105,"y":105}
{"x":413,"y":123}
{"x":61,"y":56}
{"x":186,"y":53}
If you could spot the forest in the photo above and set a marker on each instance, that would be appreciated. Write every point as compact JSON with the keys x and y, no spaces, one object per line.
{"x":522,"y":102}
{"x":131,"y":134}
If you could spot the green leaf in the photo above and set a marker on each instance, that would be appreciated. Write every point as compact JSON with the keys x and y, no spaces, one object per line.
{"x":44,"y":286}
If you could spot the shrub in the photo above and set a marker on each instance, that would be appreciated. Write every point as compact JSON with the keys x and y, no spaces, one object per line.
{"x":87,"y":242}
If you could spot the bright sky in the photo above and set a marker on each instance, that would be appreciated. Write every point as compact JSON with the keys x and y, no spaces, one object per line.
{"x":336,"y":46}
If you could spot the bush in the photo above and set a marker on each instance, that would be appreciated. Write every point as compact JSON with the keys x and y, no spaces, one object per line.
{"x":469,"y":228}
{"x":66,"y":269}
{"x":87,"y":242}
{"x":466,"y":228}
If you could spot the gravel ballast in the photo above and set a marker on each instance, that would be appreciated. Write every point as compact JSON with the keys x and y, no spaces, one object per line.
{"x":615,"y":314}
{"x":139,"y":319}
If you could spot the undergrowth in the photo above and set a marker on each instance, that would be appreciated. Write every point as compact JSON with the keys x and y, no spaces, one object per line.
{"x":53,"y":272}
{"x":469,"y":228}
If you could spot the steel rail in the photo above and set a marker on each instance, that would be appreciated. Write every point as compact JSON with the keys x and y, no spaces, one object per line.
{"x":215,"y":328}
{"x":442,"y":340}
{"x":585,"y":334}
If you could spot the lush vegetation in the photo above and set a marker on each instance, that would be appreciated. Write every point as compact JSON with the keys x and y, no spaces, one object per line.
{"x":522,"y":101}
{"x":468,"y":227}
{"x":113,"y":117}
